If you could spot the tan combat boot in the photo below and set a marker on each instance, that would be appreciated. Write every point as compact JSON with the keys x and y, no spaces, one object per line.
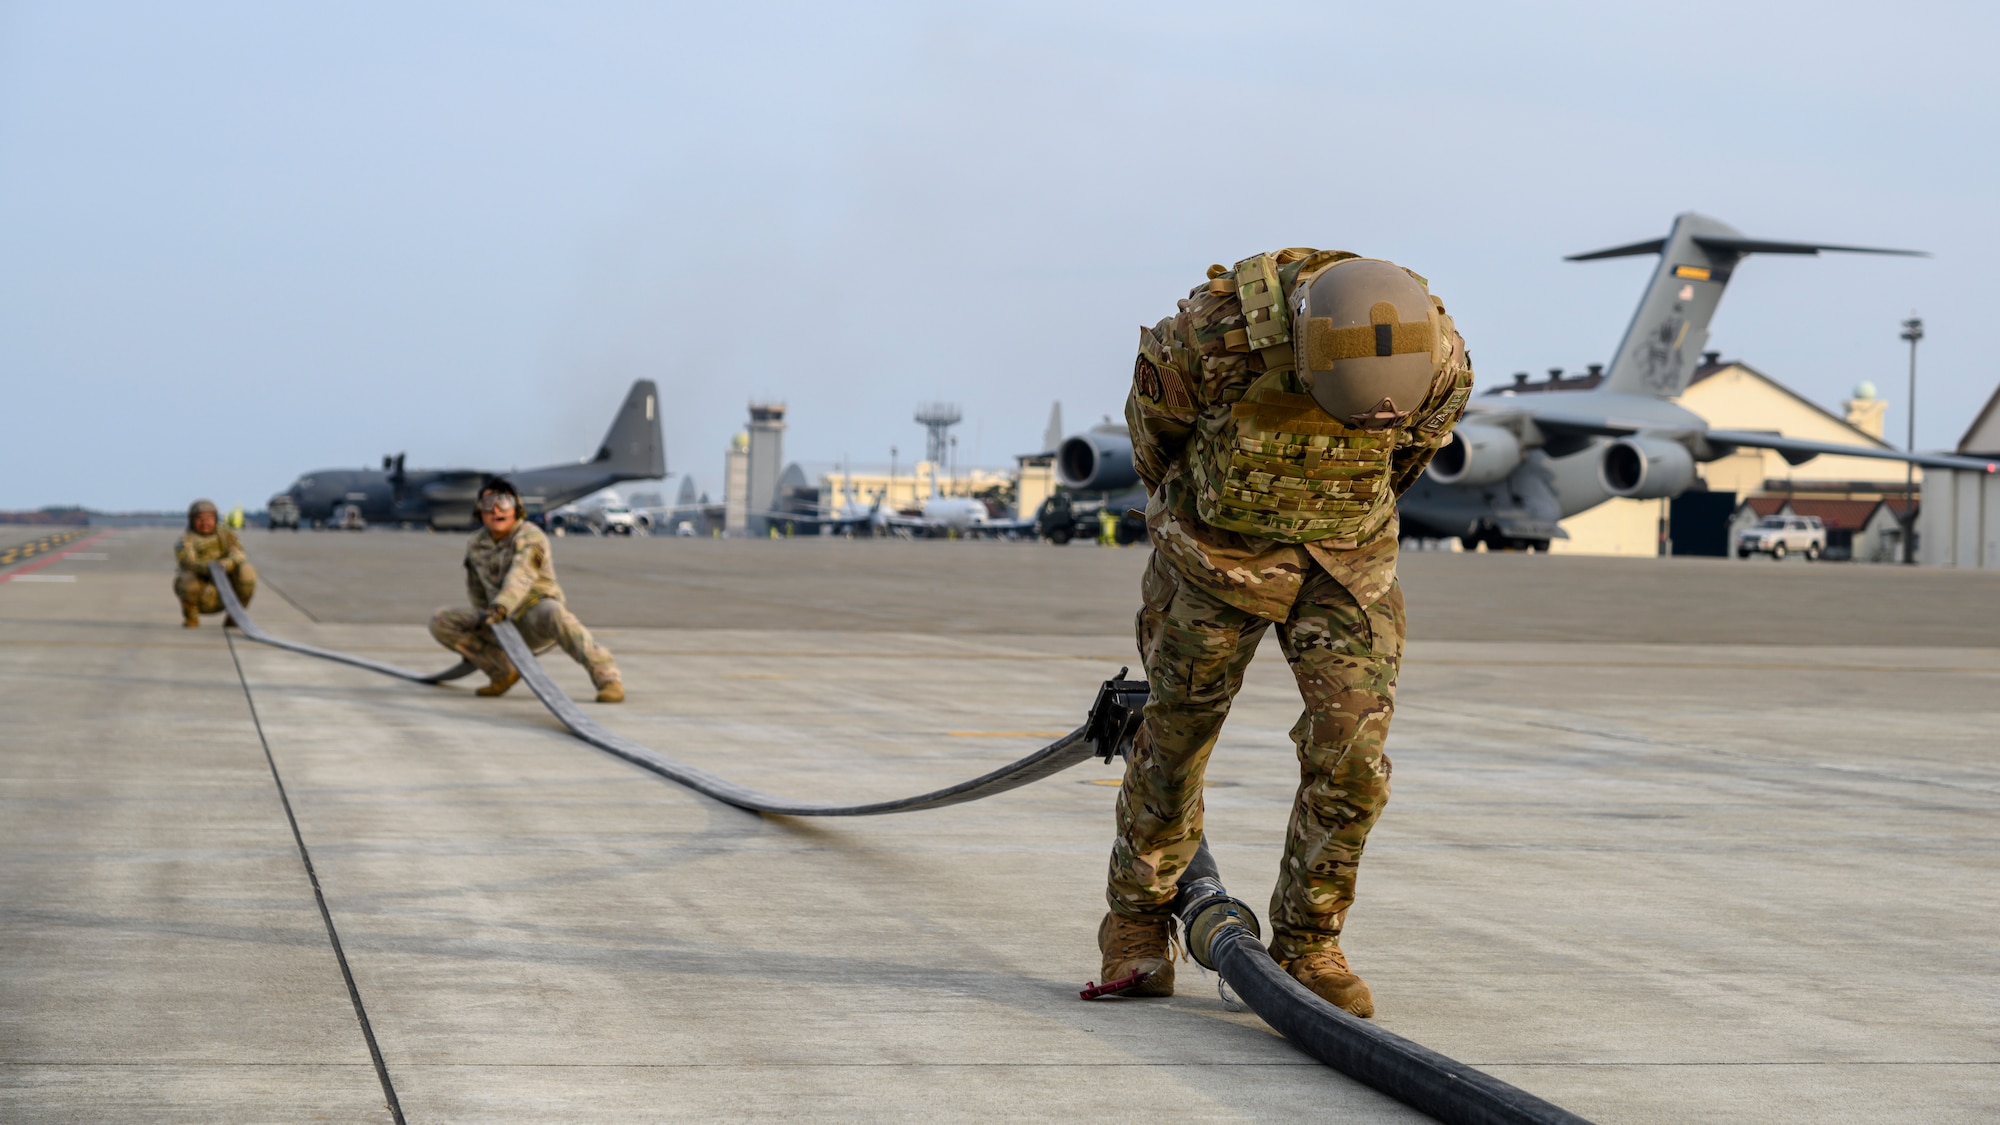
{"x":1138,"y":945}
{"x":499,"y":687}
{"x":613,"y":692}
{"x":1327,"y":974}
{"x":190,"y":617}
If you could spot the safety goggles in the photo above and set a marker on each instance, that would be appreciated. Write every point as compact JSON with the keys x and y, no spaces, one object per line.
{"x":496,"y":502}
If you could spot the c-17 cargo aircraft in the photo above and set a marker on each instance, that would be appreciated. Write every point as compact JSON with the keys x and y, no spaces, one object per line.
{"x":444,"y":498}
{"x":1517,"y":465}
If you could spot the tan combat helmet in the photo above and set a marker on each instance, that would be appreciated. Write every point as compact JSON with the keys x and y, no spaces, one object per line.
{"x":1369,"y":345}
{"x":197,"y":508}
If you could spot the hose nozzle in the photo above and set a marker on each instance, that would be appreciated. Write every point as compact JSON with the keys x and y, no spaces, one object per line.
{"x":1206,"y":911}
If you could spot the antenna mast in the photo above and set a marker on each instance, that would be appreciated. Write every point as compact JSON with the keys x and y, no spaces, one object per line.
{"x":938,"y":418}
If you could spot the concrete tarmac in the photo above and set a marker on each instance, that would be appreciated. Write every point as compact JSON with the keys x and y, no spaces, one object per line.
{"x":1739,"y":879}
{"x":1081,"y":590}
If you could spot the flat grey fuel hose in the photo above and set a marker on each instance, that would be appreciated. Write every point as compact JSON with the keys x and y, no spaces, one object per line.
{"x":1057,"y":756}
{"x":1222,"y":935}
{"x":241,"y":617}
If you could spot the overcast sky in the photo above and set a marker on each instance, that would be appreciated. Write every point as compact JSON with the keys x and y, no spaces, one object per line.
{"x":238,"y":242}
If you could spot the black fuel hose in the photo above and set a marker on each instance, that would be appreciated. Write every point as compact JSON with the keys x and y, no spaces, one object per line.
{"x":1057,"y":756}
{"x":1222,"y":935}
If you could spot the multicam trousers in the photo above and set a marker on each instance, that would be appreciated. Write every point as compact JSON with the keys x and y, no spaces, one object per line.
{"x":196,"y":592}
{"x":1195,"y":648}
{"x":545,"y":624}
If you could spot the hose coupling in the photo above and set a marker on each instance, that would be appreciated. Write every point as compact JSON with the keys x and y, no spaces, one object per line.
{"x":1206,"y":911}
{"x":1115,"y":716}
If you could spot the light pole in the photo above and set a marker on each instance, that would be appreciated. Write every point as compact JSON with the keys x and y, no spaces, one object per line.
{"x":1913,"y":330}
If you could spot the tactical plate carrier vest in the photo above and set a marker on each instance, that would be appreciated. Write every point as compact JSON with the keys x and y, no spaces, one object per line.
{"x":1269,"y":461}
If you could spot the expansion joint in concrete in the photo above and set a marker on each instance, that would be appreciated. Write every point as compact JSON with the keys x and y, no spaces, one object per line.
{"x":319,"y":896}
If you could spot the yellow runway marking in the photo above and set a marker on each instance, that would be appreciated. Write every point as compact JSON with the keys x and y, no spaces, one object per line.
{"x":40,"y":546}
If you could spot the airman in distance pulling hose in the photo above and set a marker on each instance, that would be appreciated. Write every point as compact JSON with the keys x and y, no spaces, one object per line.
{"x":510,"y":573}
{"x":1275,"y":419}
{"x":203,"y":543}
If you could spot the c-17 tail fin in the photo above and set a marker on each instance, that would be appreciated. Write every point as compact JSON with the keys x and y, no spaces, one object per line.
{"x":1657,"y":356}
{"x":632,"y":446}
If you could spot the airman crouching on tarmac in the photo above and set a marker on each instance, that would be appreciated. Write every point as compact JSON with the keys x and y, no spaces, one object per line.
{"x":1275,"y":419}
{"x":201,"y":544}
{"x":509,"y":573}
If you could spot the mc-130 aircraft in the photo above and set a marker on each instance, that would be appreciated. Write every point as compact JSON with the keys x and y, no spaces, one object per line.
{"x":1517,"y":465}
{"x":444,"y":498}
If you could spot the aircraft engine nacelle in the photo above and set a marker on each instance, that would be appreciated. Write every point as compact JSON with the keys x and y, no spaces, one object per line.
{"x":1476,"y":455}
{"x":1098,"y":461}
{"x":1643,"y":468}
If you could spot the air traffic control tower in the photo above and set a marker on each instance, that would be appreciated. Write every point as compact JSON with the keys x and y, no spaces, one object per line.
{"x":767,"y":462}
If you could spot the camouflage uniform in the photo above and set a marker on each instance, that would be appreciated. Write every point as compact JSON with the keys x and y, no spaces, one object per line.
{"x":192,"y":583}
{"x":518,"y":575}
{"x":1325,"y":576}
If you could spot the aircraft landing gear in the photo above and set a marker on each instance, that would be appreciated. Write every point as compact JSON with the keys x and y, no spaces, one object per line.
{"x":1497,"y":542}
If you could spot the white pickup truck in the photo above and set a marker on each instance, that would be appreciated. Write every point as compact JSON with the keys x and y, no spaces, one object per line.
{"x":1778,"y":536}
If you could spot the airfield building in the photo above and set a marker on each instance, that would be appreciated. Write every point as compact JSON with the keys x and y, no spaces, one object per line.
{"x":1960,"y":526}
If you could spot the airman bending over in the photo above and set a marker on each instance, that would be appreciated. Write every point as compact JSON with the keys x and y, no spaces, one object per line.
{"x":201,"y":544}
{"x":1274,"y":420}
{"x":509,"y":573}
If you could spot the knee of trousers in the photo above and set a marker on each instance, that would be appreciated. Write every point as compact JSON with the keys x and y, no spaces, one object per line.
{"x":450,"y":627}
{"x":1345,"y":730}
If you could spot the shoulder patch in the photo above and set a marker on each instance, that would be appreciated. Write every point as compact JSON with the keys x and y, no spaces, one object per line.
{"x":1159,"y":384}
{"x":1146,"y":379}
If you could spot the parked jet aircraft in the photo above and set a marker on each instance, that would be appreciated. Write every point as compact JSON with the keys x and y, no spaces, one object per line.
{"x":443,"y":498}
{"x":939,"y":516}
{"x":850,"y":517}
{"x":1515,"y":466}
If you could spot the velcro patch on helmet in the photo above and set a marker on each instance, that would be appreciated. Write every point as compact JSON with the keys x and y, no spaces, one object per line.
{"x":1326,"y":344}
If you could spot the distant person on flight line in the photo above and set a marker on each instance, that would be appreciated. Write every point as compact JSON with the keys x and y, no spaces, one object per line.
{"x":509,"y":573}
{"x":202,"y":543}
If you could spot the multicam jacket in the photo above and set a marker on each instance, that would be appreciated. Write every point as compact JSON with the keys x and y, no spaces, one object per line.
{"x":195,"y":551}
{"x":1204,"y":399}
{"x":511,"y":573}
